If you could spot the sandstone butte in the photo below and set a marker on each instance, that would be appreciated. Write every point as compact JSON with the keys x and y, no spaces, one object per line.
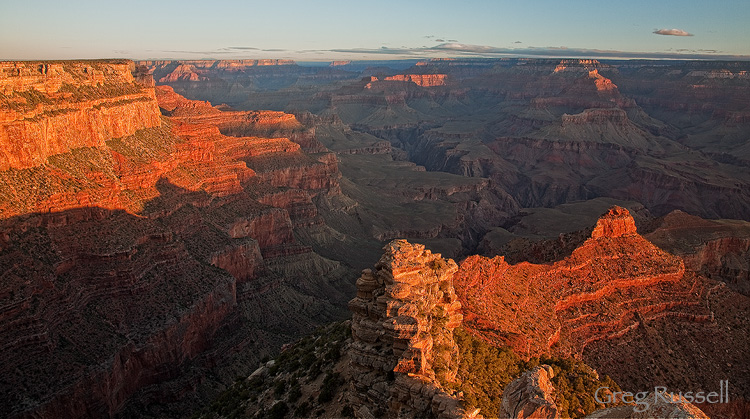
{"x":138,"y":250}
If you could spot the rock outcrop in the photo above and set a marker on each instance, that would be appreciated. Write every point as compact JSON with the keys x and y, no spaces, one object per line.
{"x":403,"y":318}
{"x":423,"y":80}
{"x":538,"y":306}
{"x":531,"y":395}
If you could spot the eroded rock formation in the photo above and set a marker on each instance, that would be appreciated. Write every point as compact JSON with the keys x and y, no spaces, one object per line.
{"x":538,"y":306}
{"x":532,"y":395}
{"x":423,"y":80}
{"x":403,"y":318}
{"x":53,"y":108}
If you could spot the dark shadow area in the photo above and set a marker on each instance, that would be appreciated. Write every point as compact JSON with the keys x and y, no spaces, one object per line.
{"x":104,"y":309}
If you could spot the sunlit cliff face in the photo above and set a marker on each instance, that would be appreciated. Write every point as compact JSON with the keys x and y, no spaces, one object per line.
{"x":588,"y":296}
{"x":603,"y":84}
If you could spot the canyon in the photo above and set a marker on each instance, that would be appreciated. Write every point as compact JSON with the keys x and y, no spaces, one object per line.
{"x":140,"y":253}
{"x":168,"y":224}
{"x":405,"y":357}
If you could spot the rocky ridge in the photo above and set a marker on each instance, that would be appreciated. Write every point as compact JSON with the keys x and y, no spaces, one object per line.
{"x":615,"y":258}
{"x":616,"y":288}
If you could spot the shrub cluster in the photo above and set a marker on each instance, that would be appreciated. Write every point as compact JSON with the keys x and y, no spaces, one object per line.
{"x":485,"y":370}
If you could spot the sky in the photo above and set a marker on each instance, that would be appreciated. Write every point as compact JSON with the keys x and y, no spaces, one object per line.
{"x":335,"y":30}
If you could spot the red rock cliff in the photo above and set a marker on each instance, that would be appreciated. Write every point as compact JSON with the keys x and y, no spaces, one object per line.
{"x":52,"y":108}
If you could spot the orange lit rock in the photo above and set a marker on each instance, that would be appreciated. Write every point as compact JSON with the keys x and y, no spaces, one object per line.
{"x":603,"y":84}
{"x":45,"y":114}
{"x":402,"y":323}
{"x":423,"y":80}
{"x":616,"y":222}
{"x":534,"y":307}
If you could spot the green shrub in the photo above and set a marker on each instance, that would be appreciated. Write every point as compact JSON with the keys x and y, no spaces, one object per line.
{"x":278,"y":411}
{"x":279,"y":388}
{"x":295,"y":393}
{"x":328,"y":390}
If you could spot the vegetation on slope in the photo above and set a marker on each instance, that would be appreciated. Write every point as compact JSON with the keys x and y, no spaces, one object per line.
{"x":307,"y":379}
{"x":303,"y":381}
{"x":485,"y":370}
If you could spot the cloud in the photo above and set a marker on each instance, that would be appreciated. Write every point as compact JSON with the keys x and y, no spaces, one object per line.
{"x":179,"y":51}
{"x":673,"y":32}
{"x":455,"y":49}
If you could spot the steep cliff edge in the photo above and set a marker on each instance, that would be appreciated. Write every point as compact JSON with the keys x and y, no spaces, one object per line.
{"x":52,"y":108}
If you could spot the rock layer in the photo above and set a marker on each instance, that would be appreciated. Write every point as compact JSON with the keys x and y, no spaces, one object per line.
{"x":617,"y":301}
{"x":51,"y":108}
{"x":538,"y":306}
